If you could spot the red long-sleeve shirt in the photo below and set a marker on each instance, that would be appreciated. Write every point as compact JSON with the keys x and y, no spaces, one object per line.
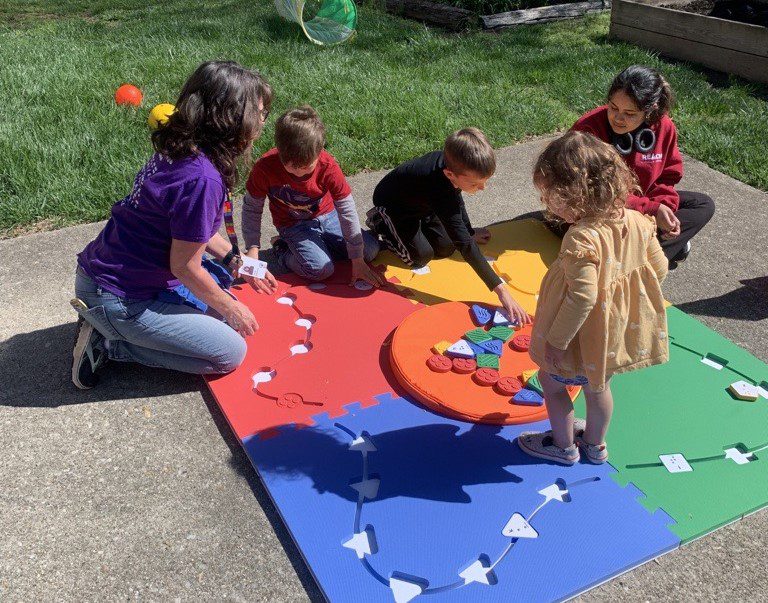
{"x":657,"y":172}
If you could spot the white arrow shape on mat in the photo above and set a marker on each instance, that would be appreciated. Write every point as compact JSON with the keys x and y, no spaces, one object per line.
{"x":304,"y":322}
{"x":477,"y":572}
{"x":403,"y":590}
{"x":518,"y":527}
{"x":737,"y":456}
{"x":553,"y":492}
{"x":362,"y":443}
{"x":299,"y":348}
{"x":369,"y":488}
{"x":262,"y":377}
{"x":363,"y":543}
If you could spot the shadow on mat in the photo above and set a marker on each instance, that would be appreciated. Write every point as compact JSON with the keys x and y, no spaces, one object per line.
{"x":35,"y":370}
{"x":430,"y":462}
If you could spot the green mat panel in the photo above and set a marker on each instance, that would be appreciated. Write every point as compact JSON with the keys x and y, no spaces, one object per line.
{"x":684,"y":407}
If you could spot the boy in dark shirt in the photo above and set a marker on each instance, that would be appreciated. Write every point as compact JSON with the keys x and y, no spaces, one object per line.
{"x":419,"y":212}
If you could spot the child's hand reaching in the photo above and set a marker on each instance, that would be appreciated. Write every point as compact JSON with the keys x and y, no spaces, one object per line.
{"x":267,"y":285}
{"x":481,"y":236}
{"x":514,"y":310}
{"x":362,"y":271}
{"x":553,"y":355}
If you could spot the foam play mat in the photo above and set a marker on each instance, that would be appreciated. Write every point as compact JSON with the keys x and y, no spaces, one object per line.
{"x":365,"y":413}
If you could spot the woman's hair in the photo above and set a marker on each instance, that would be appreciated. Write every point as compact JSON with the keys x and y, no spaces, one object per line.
{"x":299,"y":136}
{"x":647,"y":88}
{"x":585,"y":174}
{"x":217,"y":113}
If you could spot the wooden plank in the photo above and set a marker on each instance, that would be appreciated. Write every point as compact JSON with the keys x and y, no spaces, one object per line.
{"x":748,"y":66}
{"x":542,"y":14}
{"x":751,"y":39}
{"x":442,"y":15}
{"x":665,"y":2}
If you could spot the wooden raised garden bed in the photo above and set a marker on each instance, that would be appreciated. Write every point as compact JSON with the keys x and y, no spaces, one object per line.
{"x":727,"y":46}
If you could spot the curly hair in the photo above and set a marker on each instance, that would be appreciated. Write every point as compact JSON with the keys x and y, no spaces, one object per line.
{"x":584,"y":174}
{"x":217,"y":113}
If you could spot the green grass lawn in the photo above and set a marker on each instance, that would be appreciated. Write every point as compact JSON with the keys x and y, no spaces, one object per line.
{"x":67,"y":152}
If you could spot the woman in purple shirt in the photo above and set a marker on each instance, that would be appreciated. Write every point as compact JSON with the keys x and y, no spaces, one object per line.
{"x":157,"y":235}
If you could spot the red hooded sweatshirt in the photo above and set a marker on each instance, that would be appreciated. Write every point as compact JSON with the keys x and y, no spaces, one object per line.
{"x":657,"y":172}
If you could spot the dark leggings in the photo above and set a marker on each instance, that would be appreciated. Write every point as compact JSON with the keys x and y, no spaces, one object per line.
{"x":430,"y":240}
{"x":694,"y":211}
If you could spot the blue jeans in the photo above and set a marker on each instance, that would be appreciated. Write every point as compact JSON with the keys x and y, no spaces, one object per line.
{"x":160,"y":334}
{"x":313,"y":246}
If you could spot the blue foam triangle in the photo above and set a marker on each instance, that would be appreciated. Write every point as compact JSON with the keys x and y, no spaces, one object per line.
{"x":494,"y":346}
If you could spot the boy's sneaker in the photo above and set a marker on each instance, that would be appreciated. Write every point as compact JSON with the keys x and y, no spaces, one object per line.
{"x":89,"y":354}
{"x":542,"y":445}
{"x":596,"y":454}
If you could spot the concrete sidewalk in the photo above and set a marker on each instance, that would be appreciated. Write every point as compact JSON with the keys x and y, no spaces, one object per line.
{"x":138,"y":490}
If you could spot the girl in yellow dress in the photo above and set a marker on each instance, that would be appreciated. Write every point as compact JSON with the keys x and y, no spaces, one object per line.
{"x":600,"y":310}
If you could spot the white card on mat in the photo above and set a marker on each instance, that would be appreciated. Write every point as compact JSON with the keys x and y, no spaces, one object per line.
{"x":253,"y":267}
{"x":675,"y":463}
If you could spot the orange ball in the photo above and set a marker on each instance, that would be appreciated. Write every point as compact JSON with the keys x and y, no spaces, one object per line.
{"x":128,"y":94}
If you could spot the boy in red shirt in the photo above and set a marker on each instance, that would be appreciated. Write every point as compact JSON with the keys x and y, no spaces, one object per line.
{"x":311,"y":205}
{"x":636,"y":121}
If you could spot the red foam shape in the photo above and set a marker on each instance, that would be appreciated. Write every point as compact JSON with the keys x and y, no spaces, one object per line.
{"x":464,"y":366}
{"x":439,"y":363}
{"x":521,"y":342}
{"x":348,"y":361}
{"x":486,"y":376}
{"x":508,"y":386}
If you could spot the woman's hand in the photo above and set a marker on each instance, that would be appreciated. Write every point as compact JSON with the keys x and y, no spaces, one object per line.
{"x":240,"y":318}
{"x":667,"y":222}
{"x":362,"y":271}
{"x":267,"y":285}
{"x":514,"y":310}
{"x":481,"y":236}
{"x":553,"y":355}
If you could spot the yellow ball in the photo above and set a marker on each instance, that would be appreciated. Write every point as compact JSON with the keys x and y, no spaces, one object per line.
{"x":159,"y":115}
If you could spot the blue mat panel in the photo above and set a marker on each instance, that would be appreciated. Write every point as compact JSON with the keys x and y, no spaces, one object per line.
{"x":393,"y":502}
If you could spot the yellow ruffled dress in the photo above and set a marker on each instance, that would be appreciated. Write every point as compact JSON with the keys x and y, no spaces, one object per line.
{"x":601,"y":300}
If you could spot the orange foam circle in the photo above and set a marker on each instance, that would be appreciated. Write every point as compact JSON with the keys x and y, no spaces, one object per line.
{"x":451,"y":393}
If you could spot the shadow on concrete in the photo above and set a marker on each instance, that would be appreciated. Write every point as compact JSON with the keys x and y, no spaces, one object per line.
{"x":748,"y":302}
{"x":35,"y":370}
{"x":240,"y":463}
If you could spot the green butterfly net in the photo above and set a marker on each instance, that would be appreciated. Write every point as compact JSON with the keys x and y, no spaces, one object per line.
{"x":334,"y":22}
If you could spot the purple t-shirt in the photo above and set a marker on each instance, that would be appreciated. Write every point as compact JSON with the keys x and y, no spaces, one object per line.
{"x":171,"y":199}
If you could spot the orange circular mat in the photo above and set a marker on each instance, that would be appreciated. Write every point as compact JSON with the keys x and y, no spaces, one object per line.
{"x":451,"y":393}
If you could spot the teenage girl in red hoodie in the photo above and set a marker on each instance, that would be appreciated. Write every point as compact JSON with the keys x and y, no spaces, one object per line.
{"x":636,"y":121}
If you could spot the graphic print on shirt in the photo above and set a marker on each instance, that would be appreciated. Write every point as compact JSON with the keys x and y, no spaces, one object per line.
{"x":149,"y":170}
{"x":299,"y":206}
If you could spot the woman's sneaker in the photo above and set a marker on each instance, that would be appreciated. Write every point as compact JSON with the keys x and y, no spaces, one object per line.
{"x":542,"y":446}
{"x":596,"y":454}
{"x":89,"y":354}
